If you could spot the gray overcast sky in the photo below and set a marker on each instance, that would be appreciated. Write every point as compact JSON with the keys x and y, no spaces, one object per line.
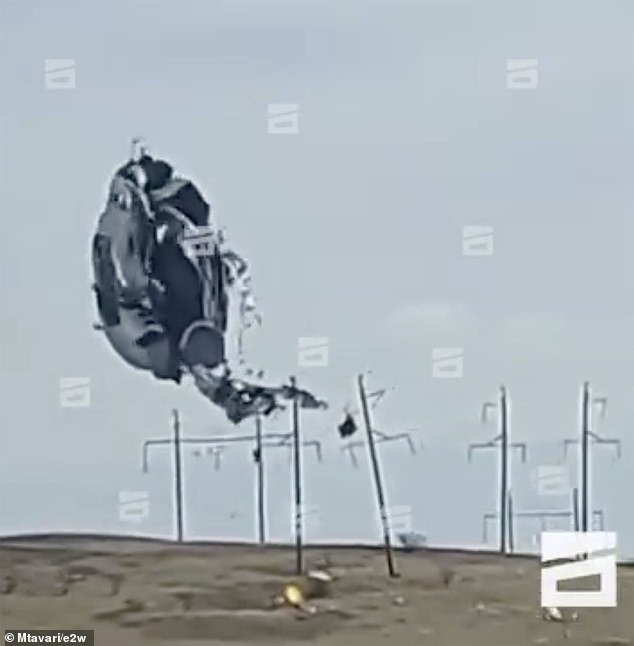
{"x":407,"y":133}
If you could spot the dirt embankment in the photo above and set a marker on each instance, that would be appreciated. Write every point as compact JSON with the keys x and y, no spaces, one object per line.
{"x":151,"y":592}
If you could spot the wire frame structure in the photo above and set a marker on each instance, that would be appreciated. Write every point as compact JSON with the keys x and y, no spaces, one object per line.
{"x":502,"y":443}
{"x":379,"y":438}
{"x":586,"y":440}
{"x":216,"y":446}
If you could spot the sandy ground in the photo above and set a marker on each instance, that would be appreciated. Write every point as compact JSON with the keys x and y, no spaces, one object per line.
{"x":151,"y":592}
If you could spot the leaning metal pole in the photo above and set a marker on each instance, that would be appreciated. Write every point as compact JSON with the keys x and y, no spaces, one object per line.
{"x":377,"y":479}
{"x":178,"y":482}
{"x":259,"y":460}
{"x":299,"y":553}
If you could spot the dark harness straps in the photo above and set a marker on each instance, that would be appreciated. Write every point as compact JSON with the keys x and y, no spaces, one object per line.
{"x":186,"y":198}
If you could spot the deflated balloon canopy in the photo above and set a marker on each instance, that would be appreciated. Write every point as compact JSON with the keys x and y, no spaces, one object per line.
{"x":162,"y":302}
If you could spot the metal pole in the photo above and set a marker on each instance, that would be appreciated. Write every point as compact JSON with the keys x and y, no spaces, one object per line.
{"x":585,"y":429}
{"x":377,"y":479}
{"x":259,"y":459}
{"x":178,"y":483}
{"x":588,"y":436}
{"x":510,"y":522}
{"x":299,"y":556}
{"x":504,"y":447}
{"x":575,"y":509}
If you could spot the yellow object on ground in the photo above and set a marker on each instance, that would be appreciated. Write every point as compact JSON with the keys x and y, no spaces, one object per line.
{"x":293,"y":595}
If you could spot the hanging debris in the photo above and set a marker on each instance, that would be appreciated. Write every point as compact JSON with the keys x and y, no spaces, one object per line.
{"x":348,"y":427}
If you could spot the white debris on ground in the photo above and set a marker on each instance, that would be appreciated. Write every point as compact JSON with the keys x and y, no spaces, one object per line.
{"x":412,"y":540}
{"x":555,"y":614}
{"x":552,"y":614}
